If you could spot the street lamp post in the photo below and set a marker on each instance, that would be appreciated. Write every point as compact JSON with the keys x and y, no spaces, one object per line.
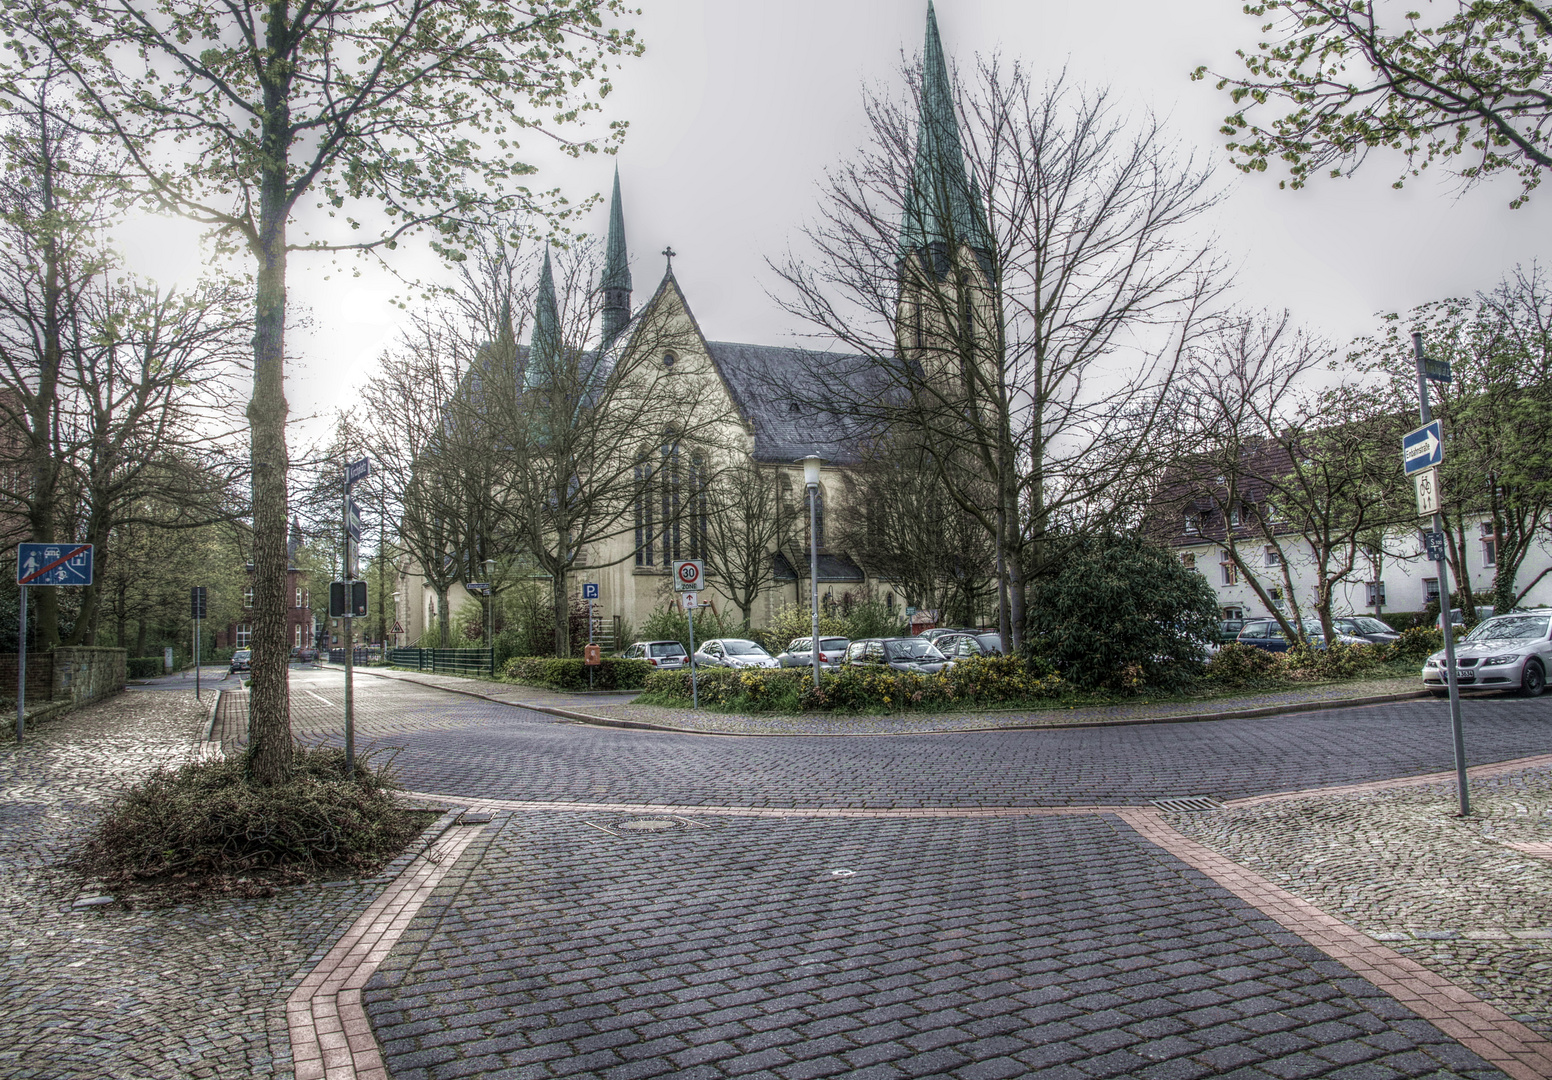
{"x":490,"y":612}
{"x":811,"y":480}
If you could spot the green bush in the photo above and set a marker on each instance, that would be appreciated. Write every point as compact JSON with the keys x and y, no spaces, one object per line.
{"x":1402,"y":621}
{"x":143,"y":667}
{"x":969,"y":683}
{"x":1121,"y":614}
{"x":207,"y":818}
{"x":1243,"y":665}
{"x":1416,"y":644}
{"x":1336,"y":661}
{"x":571,"y":673}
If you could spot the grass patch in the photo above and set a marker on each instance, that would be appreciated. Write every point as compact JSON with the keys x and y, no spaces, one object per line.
{"x":202,"y":829}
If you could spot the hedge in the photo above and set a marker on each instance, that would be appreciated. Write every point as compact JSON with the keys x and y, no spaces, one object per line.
{"x":969,"y":683}
{"x":1237,"y":664}
{"x":143,"y":667}
{"x":570,"y":673}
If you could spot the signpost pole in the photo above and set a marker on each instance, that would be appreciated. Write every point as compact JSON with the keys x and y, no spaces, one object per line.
{"x":21,"y":669}
{"x":196,"y":657}
{"x":590,"y":641}
{"x":1443,"y":570}
{"x":350,"y":666}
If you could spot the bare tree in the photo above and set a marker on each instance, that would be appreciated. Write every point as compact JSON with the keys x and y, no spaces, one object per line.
{"x":1022,"y":321}
{"x":747,"y":516}
{"x":1283,"y":463}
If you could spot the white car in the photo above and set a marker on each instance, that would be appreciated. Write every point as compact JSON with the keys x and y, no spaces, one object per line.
{"x":1506,"y":652}
{"x":733,"y":653}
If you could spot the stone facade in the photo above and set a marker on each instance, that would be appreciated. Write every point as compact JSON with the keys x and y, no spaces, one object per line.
{"x":84,"y":674}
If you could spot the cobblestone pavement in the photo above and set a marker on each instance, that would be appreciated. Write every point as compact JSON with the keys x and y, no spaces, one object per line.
{"x":449,"y":743}
{"x":619,"y":707}
{"x":1058,"y":947}
{"x":1450,"y":892}
{"x":193,"y":991}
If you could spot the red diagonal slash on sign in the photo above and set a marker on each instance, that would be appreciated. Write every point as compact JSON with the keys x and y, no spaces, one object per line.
{"x":43,"y":570}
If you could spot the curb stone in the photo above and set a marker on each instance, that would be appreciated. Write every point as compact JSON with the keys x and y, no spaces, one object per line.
{"x":1188,"y":718}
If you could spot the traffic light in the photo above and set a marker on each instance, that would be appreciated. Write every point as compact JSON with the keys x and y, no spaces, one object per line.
{"x":197,"y":601}
{"x":337,"y":600}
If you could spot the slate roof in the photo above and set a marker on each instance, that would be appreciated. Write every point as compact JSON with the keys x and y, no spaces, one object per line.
{"x":787,"y":427}
{"x":836,"y":568}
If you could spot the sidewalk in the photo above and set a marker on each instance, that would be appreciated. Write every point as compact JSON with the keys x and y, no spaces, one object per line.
{"x":616,"y":709}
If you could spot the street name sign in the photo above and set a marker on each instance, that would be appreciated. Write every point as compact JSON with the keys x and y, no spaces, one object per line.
{"x":1423,"y":448}
{"x":479,"y":588}
{"x":1437,"y":370}
{"x":53,"y":564}
{"x":688,"y":574}
{"x":357,"y":470}
{"x":1427,"y":492}
{"x":590,"y":591}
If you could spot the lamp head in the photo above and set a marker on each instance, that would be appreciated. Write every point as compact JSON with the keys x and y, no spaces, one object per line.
{"x":811,"y":470}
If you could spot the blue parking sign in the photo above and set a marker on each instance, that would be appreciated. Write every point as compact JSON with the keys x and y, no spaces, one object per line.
{"x":590,"y":591}
{"x":54,"y":564}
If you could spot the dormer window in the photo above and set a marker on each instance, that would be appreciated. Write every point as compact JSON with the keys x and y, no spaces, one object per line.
{"x":1193,"y":525}
{"x":668,"y":359}
{"x":793,"y":408}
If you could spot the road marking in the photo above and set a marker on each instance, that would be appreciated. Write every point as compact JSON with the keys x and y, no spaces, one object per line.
{"x":320,"y":697}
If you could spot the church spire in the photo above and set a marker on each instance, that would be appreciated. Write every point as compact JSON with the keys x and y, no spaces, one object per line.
{"x":616,"y":282}
{"x":544,"y":345}
{"x":941,"y":209}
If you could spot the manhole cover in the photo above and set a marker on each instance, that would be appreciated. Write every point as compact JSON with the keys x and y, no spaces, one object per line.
{"x":647,"y":824}
{"x":1189,"y":805}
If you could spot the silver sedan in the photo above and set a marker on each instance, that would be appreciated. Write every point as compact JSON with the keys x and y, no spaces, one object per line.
{"x":1506,"y":652}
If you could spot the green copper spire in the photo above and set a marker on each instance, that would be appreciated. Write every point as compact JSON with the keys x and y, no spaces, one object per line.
{"x":616,"y":282}
{"x":941,"y":207}
{"x":544,"y":345}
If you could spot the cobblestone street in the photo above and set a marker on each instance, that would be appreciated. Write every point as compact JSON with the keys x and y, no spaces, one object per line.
{"x":982,"y":904}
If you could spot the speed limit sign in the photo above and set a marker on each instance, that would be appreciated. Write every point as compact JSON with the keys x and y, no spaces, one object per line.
{"x":687,"y":575}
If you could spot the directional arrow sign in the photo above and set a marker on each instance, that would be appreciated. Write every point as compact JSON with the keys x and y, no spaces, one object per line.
{"x":1423,"y":448}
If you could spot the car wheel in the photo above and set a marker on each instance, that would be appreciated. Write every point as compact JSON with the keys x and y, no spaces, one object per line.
{"x":1534,"y":681}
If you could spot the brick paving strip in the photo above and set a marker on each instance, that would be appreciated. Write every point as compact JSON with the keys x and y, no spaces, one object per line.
{"x":1486,"y":1031}
{"x":331,"y":1038}
{"x":1474,"y":772}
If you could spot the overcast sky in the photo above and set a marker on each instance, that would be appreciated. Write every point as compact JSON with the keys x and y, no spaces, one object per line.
{"x":738,"y":106}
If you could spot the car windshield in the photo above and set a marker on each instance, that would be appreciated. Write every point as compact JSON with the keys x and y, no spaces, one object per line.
{"x":913,"y":649}
{"x":671,"y":649}
{"x":1369,"y":626}
{"x":241,"y":654}
{"x":1511,"y":628}
{"x":743,"y":648}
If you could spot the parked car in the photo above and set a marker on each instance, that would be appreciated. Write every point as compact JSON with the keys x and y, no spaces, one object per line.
{"x":900,"y":653}
{"x":1506,"y":652}
{"x":1365,"y":628}
{"x":1266,"y":634}
{"x":664,"y":655}
{"x":800,"y":652}
{"x":734,"y":653}
{"x":1228,"y":630}
{"x":242,"y":660}
{"x":962,"y":646}
{"x":304,"y":656}
{"x":934,"y":634}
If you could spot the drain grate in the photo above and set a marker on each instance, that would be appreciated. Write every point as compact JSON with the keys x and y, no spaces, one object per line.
{"x":1190,"y":804}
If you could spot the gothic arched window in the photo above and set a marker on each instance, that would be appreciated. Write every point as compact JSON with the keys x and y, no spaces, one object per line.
{"x":645,"y":523}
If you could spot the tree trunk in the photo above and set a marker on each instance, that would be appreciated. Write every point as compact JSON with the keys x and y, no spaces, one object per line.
{"x":444,"y":620}
{"x":140,"y":636}
{"x":562,"y":611}
{"x":269,"y":705}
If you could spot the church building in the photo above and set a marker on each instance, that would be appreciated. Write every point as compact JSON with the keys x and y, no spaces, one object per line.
{"x":941,"y":223}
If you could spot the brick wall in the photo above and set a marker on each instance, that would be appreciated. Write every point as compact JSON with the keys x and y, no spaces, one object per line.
{"x":40,"y":676}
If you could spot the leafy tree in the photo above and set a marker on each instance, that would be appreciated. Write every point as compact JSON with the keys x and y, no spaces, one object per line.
{"x":387,"y":117}
{"x":1468,"y":90}
{"x":1121,"y":614}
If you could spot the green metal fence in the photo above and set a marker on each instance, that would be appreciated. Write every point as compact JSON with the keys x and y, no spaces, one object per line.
{"x":450,"y":661}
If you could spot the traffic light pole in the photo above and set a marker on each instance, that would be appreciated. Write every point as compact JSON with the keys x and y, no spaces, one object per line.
{"x":1443,"y":570}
